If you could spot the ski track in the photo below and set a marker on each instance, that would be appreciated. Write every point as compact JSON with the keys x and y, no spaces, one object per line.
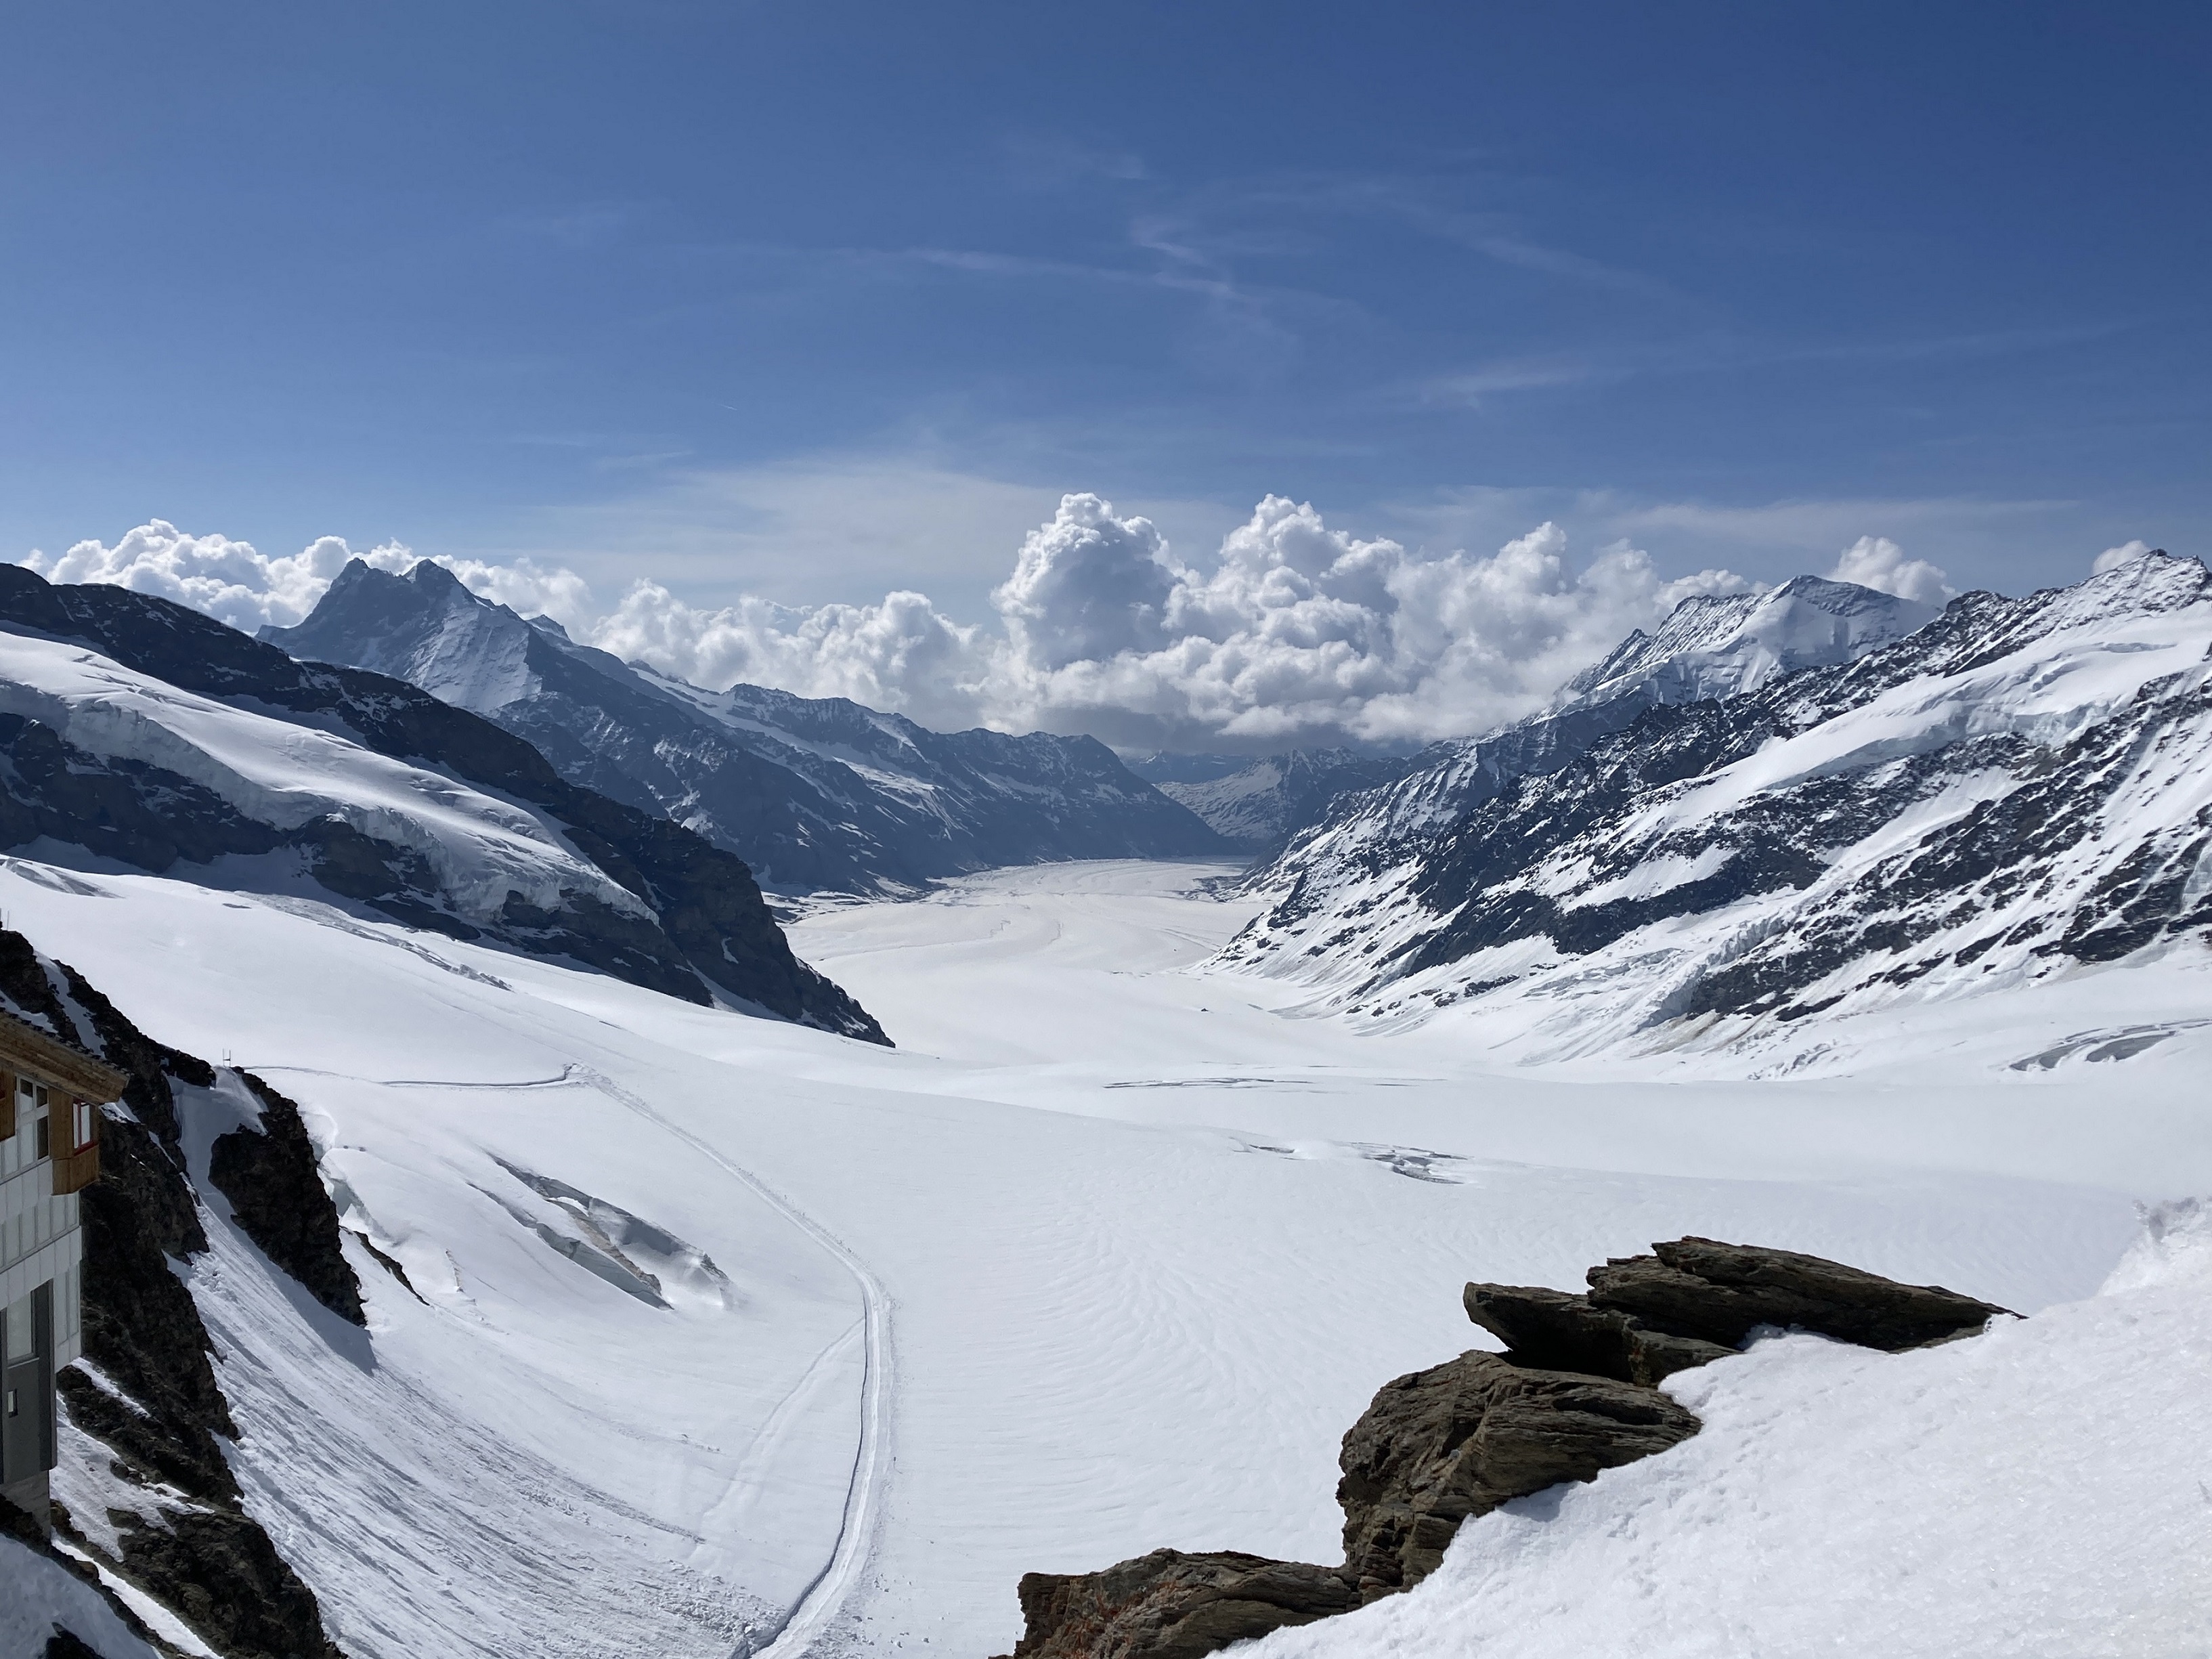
{"x":811,"y":1617}
{"x":823,"y":1600}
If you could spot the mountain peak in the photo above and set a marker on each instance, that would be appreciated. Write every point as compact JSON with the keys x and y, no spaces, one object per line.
{"x":425,"y":627}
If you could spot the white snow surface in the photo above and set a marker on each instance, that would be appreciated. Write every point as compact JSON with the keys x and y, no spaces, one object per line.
{"x":285,"y":773}
{"x":2038,"y":1491}
{"x":38,"y":1596}
{"x":1106,"y":1256}
{"x":1717,"y":646}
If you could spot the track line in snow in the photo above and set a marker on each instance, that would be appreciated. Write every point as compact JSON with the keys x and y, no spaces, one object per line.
{"x":818,"y":1604}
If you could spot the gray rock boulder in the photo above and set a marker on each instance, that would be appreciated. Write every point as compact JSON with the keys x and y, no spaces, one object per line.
{"x":1170,"y":1605}
{"x":1461,"y":1438}
{"x":1552,"y":1330}
{"x":1702,"y":1288}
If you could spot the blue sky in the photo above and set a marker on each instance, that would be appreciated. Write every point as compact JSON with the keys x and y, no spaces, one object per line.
{"x":810,"y":300}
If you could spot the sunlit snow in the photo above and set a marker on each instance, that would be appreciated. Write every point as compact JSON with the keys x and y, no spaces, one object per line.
{"x":1105,"y":1256}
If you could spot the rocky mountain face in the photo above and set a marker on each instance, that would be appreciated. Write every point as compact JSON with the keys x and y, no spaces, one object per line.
{"x":144,"y":1488}
{"x":137,"y":731}
{"x":1257,"y":806}
{"x":2014,"y":787}
{"x":1706,"y":648}
{"x":1564,"y":1402}
{"x":816,"y":794}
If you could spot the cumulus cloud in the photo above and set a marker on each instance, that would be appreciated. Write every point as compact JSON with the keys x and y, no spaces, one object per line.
{"x":1292,"y":631}
{"x":227,"y":580}
{"x":1879,"y":562}
{"x":2113,"y":557}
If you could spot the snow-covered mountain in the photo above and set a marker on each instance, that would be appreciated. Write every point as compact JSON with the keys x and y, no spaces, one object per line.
{"x":1707,"y":647}
{"x":1256,"y":806}
{"x":813,"y":794}
{"x":136,"y":733}
{"x":2016,"y":787}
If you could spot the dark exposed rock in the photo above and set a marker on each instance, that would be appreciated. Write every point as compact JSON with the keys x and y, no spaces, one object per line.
{"x":1704,"y":1288}
{"x":66,"y":1644}
{"x":1462,"y":1437}
{"x":24,"y":1529}
{"x":218,"y":1571}
{"x":1170,"y":1605}
{"x":277,"y":1193}
{"x":1554,"y":1331}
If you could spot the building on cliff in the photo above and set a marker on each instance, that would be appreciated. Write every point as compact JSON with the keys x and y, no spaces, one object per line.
{"x":51,"y":1093}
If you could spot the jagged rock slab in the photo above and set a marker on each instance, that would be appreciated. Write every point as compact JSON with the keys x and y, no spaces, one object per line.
{"x":1460,"y":1438}
{"x":276,"y":1195}
{"x":1720,"y":1293}
{"x":1552,"y":1330}
{"x":815,"y":794}
{"x":1171,"y":1605}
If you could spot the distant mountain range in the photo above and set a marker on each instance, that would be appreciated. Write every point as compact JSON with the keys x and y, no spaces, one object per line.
{"x":137,"y":734}
{"x":816,"y":794}
{"x":1820,"y":798}
{"x":1257,"y":806}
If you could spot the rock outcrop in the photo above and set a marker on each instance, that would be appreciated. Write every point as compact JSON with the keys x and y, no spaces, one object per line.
{"x":1170,"y":1605}
{"x":1561,"y":1331}
{"x":276,"y":1195}
{"x":1703,"y":1288}
{"x":1461,"y":1438}
{"x":1575,"y":1394}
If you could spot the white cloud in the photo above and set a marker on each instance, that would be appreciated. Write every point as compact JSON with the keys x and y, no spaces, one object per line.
{"x":2113,"y":557}
{"x":1879,"y":562}
{"x":227,"y":580}
{"x":1292,"y":632}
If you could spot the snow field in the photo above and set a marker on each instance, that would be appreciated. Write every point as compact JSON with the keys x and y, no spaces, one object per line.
{"x":1144,"y":1249}
{"x":2041,"y":1491}
{"x":287,"y":774}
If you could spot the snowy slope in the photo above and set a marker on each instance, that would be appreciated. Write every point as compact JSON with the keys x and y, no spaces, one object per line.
{"x":277,"y":773}
{"x":1707,"y":647}
{"x":2038,"y":1491}
{"x":1136,"y":1253}
{"x":1259,"y":805}
{"x":136,"y":733}
{"x":813,"y":794}
{"x":2013,"y":790}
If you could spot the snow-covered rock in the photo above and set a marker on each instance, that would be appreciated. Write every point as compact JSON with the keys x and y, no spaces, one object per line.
{"x":2013,"y":790}
{"x":2036,"y":1492}
{"x":813,"y":794}
{"x":1256,"y":806}
{"x":136,"y":733}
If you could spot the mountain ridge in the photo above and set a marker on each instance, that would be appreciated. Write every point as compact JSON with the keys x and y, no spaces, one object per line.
{"x":185,"y":740}
{"x":1724,"y":866}
{"x":816,"y":794}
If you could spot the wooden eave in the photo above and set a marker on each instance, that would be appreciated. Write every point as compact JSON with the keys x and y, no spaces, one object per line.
{"x":25,"y":1048}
